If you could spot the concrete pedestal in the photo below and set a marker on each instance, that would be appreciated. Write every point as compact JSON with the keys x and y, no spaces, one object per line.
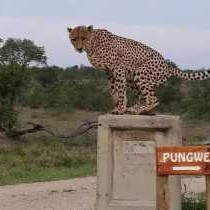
{"x":127,"y":162}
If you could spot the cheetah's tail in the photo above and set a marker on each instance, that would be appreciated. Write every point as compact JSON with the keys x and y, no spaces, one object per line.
{"x":190,"y":74}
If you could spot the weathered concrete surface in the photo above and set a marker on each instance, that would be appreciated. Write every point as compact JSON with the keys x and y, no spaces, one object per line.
{"x":126,"y":161}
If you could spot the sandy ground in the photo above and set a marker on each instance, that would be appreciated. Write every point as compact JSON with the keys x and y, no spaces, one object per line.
{"x":74,"y":194}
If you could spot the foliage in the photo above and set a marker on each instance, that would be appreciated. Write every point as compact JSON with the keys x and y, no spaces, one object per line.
{"x":170,"y":96}
{"x":171,"y":63}
{"x":93,"y":96}
{"x":193,"y":203}
{"x":15,"y":56}
{"x":12,"y":82}
{"x":198,"y":100}
{"x":68,"y":89}
{"x":86,"y":88}
{"x":21,"y":52}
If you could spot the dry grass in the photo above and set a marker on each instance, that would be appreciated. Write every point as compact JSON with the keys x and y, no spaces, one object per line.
{"x":195,"y":131}
{"x":41,"y":157}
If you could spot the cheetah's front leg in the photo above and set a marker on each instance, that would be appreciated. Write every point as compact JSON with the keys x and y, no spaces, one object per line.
{"x":112,"y":89}
{"x":118,"y":89}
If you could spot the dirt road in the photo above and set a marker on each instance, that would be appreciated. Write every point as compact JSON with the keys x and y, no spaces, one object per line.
{"x":74,"y":194}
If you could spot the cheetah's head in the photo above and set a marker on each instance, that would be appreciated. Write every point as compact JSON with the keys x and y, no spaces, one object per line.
{"x":80,"y":36}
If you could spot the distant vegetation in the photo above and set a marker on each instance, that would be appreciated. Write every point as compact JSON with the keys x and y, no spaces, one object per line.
{"x":86,"y":88}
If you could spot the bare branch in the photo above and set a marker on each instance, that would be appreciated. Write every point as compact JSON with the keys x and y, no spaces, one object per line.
{"x":34,"y":129}
{"x":80,"y":130}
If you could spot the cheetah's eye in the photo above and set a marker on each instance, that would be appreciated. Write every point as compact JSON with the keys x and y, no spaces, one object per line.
{"x":73,"y":40}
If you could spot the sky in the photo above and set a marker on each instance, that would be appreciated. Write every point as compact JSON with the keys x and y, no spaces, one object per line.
{"x":179,"y":30}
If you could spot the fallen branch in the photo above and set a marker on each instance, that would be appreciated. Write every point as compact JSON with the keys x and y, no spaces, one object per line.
{"x":82,"y":129}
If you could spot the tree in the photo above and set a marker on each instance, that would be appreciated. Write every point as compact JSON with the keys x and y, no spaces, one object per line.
{"x":171,"y":63}
{"x":15,"y":56}
{"x":21,"y":52}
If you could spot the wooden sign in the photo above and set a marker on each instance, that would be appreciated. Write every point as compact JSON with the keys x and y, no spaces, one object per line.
{"x":189,"y":160}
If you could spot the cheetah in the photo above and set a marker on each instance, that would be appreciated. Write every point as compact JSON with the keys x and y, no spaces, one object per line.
{"x":128,"y":63}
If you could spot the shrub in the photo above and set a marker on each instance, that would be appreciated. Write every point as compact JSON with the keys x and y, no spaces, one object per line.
{"x":193,"y":203}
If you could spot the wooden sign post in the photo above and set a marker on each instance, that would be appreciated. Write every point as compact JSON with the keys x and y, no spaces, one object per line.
{"x":185,"y":160}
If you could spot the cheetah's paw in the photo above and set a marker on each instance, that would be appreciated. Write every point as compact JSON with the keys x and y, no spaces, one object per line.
{"x":117,"y":111}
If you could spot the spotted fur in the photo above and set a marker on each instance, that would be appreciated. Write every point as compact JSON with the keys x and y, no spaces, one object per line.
{"x":128,"y":62}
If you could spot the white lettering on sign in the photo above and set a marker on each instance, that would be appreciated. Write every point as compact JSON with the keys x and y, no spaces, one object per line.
{"x":186,"y":168}
{"x":186,"y":157}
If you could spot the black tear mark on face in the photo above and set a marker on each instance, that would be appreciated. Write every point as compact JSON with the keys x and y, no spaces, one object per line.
{"x":69,"y":29}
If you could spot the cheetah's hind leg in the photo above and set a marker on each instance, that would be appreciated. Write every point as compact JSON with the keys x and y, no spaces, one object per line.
{"x":142,"y":110}
{"x":146,"y":109}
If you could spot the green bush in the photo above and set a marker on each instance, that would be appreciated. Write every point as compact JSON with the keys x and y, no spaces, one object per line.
{"x":67,"y":90}
{"x":92,"y":95}
{"x":12,"y":83}
{"x":197,"y":102}
{"x":170,"y":96}
{"x":193,"y":203}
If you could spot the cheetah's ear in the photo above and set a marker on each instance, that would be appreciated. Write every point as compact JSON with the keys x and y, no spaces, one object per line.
{"x":90,"y":27}
{"x":69,"y":29}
